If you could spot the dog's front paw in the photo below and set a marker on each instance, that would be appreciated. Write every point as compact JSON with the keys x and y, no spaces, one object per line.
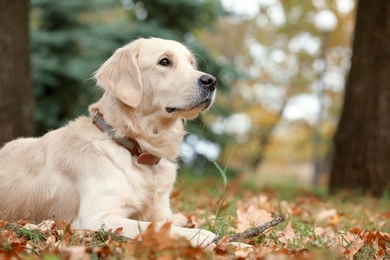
{"x":179,"y":220}
{"x":202,"y":237}
{"x":197,"y":237}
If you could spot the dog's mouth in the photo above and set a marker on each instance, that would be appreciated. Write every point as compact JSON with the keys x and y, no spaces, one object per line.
{"x":202,"y":105}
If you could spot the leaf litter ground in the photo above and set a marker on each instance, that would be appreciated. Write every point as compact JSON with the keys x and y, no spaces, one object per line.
{"x":316,"y":226}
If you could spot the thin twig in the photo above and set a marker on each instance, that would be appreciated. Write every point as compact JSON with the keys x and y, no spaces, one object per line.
{"x":253,"y":232}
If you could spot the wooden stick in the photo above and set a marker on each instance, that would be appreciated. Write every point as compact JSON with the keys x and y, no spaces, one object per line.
{"x":253,"y":232}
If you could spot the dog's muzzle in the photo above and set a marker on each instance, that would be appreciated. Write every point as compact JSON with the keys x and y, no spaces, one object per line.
{"x":207,"y":84}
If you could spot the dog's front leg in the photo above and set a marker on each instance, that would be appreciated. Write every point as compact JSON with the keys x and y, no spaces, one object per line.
{"x":132,"y":228}
{"x":162,"y":212}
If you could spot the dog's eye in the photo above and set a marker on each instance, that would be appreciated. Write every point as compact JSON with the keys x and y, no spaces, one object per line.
{"x":165,"y":62}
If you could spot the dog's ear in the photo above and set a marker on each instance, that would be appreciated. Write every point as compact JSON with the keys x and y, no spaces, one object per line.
{"x":120,"y":75}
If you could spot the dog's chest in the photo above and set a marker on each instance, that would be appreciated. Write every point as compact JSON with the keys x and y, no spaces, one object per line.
{"x":148,"y":187}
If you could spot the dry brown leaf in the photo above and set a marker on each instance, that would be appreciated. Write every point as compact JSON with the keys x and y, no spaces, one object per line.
{"x":325,"y":214}
{"x":29,"y":247}
{"x":11,"y":237}
{"x":222,"y":247}
{"x":287,"y":234}
{"x":347,"y":239}
{"x":76,"y":253}
{"x":387,"y":250}
{"x":30,"y":226}
{"x":118,"y":231}
{"x":198,"y":222}
{"x":253,"y":216}
{"x":46,"y":225}
{"x":356,"y":230}
{"x":381,"y":238}
{"x":328,"y":233}
{"x":51,"y":240}
{"x":159,"y":241}
{"x":378,"y":240}
{"x":244,"y":253}
{"x":350,"y":253}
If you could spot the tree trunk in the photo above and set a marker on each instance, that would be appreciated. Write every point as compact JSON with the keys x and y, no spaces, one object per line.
{"x":362,"y":142}
{"x":16,"y":96}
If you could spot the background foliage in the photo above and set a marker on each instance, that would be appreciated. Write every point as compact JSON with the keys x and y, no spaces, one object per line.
{"x":268,"y":59}
{"x":71,"y":39}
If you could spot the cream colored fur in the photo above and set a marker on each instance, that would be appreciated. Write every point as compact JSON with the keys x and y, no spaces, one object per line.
{"x":80,"y":175}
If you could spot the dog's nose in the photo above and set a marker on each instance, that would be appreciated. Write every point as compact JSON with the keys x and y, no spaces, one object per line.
{"x":208,"y":81}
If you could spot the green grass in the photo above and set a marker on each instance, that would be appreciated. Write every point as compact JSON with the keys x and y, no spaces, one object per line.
{"x":353,"y":211}
{"x":214,"y":200}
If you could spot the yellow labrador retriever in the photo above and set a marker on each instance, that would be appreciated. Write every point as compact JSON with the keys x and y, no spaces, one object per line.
{"x":117,"y":167}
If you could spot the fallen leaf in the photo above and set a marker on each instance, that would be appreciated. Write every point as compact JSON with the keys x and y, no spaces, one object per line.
{"x":30,"y":226}
{"x":287,"y":234}
{"x":46,"y":225}
{"x":325,"y":214}
{"x":75,"y":252}
{"x":222,"y":247}
{"x":253,"y":216}
{"x":244,"y":253}
{"x":381,"y":238}
{"x":350,"y":252}
{"x":50,"y":240}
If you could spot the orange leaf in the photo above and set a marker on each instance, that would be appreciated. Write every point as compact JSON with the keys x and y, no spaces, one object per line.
{"x":356,"y":230}
{"x":118,"y":231}
{"x":253,"y":216}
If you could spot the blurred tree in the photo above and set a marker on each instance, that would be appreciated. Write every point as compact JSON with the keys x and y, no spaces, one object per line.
{"x":362,"y":141}
{"x":63,"y":56}
{"x":278,"y":49}
{"x":16,"y":97}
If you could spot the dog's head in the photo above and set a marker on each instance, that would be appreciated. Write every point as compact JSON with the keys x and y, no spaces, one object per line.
{"x":157,"y":76}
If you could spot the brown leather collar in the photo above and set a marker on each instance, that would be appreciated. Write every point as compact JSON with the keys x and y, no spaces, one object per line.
{"x":128,"y":143}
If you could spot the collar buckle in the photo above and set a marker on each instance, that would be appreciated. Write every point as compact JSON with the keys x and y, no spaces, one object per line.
{"x":128,"y":143}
